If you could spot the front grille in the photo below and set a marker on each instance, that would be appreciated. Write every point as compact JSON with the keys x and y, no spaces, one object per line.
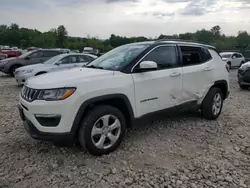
{"x":30,"y":94}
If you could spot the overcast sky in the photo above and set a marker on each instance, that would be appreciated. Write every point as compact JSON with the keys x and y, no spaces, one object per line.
{"x":148,"y":18}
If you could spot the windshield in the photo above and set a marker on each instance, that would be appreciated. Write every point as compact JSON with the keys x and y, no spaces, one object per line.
{"x":55,"y":59}
{"x":26,"y":54}
{"x":118,"y":57}
{"x":226,"y":55}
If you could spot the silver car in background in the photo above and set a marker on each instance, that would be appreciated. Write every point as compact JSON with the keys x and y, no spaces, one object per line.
{"x":59,"y":62}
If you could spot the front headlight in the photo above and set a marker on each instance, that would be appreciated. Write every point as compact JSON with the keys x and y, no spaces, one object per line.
{"x":56,"y":94}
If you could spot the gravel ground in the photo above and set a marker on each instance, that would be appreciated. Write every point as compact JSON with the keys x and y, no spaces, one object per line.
{"x":181,"y":151}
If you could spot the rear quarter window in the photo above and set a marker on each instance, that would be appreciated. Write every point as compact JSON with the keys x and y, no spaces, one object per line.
{"x":206,"y":56}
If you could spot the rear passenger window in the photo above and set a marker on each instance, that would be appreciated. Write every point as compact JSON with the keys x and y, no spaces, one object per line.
{"x":83,"y":59}
{"x":50,"y":53}
{"x":238,"y":56}
{"x":164,"y":56}
{"x":194,"y":55}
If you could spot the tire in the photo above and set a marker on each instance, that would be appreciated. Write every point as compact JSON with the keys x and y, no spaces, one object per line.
{"x":244,"y":86}
{"x":13,"y":68}
{"x":230,"y":66}
{"x":94,"y":119}
{"x":208,"y":105}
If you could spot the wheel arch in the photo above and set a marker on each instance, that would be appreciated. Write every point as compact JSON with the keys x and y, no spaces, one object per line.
{"x":40,"y":72}
{"x":223,"y":86}
{"x":119,"y":101}
{"x":18,"y":65}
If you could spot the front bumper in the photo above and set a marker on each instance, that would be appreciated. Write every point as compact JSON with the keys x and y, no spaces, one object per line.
{"x":3,"y":69}
{"x":59,"y":130}
{"x":39,"y":135}
{"x":244,"y":77}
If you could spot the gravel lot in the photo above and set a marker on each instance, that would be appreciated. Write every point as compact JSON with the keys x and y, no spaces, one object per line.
{"x":181,"y":151}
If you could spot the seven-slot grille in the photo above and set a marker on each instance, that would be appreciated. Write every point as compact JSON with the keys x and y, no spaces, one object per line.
{"x":29,"y":94}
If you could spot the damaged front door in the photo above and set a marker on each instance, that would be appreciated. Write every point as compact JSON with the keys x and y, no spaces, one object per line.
{"x":160,"y":88}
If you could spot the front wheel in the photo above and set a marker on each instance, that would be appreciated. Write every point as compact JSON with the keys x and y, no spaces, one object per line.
{"x":13,"y":69}
{"x":102,"y":130}
{"x":212,"y":104}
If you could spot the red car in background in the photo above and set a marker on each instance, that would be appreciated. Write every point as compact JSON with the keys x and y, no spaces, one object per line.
{"x":10,"y":52}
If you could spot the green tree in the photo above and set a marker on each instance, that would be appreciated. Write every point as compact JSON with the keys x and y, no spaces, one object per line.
{"x":61,"y":36}
{"x":216,"y":30}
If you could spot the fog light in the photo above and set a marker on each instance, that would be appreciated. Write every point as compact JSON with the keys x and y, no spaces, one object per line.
{"x":48,"y":120}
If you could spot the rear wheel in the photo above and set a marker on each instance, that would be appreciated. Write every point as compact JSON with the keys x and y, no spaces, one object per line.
{"x":102,"y":130}
{"x":212,"y":104}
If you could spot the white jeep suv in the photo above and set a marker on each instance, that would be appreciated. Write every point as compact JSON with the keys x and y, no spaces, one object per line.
{"x":96,"y":104}
{"x":233,"y":59}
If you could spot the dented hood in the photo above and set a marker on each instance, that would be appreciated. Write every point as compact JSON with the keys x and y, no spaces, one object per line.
{"x":66,"y":78}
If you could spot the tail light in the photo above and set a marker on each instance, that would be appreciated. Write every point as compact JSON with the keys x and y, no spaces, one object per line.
{"x":227,"y":67}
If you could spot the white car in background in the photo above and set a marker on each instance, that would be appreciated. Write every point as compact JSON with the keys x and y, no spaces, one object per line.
{"x":59,"y":62}
{"x":233,"y":59}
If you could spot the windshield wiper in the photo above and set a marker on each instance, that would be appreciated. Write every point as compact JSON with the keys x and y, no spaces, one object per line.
{"x":93,"y":66}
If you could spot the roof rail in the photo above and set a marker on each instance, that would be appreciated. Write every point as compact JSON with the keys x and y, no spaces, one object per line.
{"x":182,"y":40}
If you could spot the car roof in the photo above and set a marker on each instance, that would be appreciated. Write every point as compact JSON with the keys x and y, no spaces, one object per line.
{"x":230,"y":53}
{"x":177,"y":41}
{"x":185,"y":42}
{"x":73,"y":53}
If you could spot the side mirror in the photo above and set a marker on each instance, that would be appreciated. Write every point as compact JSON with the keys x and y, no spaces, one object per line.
{"x":27,"y":57}
{"x":234,"y":57}
{"x":58,"y":63}
{"x":147,"y":66}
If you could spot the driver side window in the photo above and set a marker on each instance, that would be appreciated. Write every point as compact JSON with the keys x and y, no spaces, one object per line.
{"x":164,"y":56}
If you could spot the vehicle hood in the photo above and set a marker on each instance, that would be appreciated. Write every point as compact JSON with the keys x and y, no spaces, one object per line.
{"x":245,"y":65}
{"x":35,"y":66}
{"x":8,"y":59}
{"x":66,"y":78}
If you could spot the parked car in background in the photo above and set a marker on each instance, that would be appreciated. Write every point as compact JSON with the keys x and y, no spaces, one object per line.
{"x":244,"y":76}
{"x":10,"y":52}
{"x":8,"y":66}
{"x":59,"y":62}
{"x":32,"y":48}
{"x":96,"y":104}
{"x":90,"y":50}
{"x":3,"y":56}
{"x":233,"y":59}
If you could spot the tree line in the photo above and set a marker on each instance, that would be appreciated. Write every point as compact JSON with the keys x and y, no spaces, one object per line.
{"x":13,"y":35}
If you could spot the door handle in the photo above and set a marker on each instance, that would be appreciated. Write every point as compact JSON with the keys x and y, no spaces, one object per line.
{"x":174,"y":74}
{"x":207,"y":69}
